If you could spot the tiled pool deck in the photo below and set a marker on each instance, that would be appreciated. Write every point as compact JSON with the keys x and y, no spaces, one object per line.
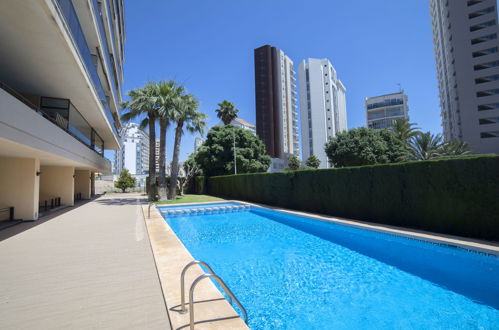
{"x":87,"y":267}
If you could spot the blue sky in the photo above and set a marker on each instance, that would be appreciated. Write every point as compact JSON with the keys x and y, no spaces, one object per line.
{"x":208,"y":47}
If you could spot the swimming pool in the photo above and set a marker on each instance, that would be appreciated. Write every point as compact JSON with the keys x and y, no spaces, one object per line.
{"x":197,"y":206}
{"x":300,"y":273}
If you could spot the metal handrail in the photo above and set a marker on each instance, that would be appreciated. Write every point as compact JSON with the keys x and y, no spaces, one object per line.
{"x":224,"y":287}
{"x":183,"y":310}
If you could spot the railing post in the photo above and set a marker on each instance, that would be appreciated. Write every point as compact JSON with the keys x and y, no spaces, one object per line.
{"x":11,"y":213}
{"x":183,"y":309}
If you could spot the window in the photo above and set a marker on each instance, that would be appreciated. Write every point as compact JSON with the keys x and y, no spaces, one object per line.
{"x":486,"y":135}
{"x":490,"y":106}
{"x":481,"y":12}
{"x":484,"y":52}
{"x":473,"y":2}
{"x":487,"y":65}
{"x":487,"y":93}
{"x":482,"y":25}
{"x":488,"y":37}
{"x":487,"y":79}
{"x":490,"y":120}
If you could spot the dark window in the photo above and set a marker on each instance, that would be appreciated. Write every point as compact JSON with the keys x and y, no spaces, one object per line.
{"x":490,"y":106}
{"x":488,"y":37}
{"x":484,"y":52}
{"x":489,"y":92}
{"x":486,"y":135}
{"x":482,"y":12}
{"x":482,"y":25}
{"x":473,"y":2}
{"x":490,"y":120}
{"x":487,"y":79}
{"x":487,"y":65}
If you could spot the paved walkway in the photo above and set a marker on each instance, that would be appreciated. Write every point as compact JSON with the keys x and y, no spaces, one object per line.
{"x":89,"y":267}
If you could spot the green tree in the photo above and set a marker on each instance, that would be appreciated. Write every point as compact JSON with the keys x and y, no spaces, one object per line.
{"x":227,"y":112}
{"x":165,"y":92}
{"x":425,"y":146}
{"x":294,"y":163}
{"x":313,"y":161}
{"x":404,"y":130}
{"x":216,"y":155}
{"x":364,"y":146}
{"x":185,"y":113}
{"x":143,"y":105}
{"x":454,"y":149}
{"x":126,"y":180}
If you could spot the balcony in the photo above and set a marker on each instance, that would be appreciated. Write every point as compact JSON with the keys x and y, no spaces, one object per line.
{"x":70,"y":17}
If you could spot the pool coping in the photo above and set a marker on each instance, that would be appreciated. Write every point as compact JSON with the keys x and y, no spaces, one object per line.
{"x":212,"y":310}
{"x":469,"y":244}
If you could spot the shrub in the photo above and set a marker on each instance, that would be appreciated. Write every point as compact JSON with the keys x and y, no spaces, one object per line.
{"x":453,"y":196}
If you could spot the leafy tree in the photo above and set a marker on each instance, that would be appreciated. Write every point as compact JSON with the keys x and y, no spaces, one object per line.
{"x":364,"y":146}
{"x":165,"y":92}
{"x":185,"y":113}
{"x":216,"y":155}
{"x":294,"y":163}
{"x":143,"y":104}
{"x":425,"y":146}
{"x":191,"y":168}
{"x":126,"y":180}
{"x":313,"y":162}
{"x":227,"y":112}
{"x":404,"y":130}
{"x":454,"y":149}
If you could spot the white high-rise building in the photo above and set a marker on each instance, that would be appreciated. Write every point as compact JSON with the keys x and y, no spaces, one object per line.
{"x":134,"y":153}
{"x":465,"y":36}
{"x":323,"y":107}
{"x":382,"y":110}
{"x":241,"y":123}
{"x":198,"y":142}
{"x":276,"y":108}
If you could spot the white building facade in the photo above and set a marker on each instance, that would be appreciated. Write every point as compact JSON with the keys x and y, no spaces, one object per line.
{"x":198,"y":142}
{"x":60,"y":93}
{"x":382,"y":110}
{"x":134,"y":153}
{"x":465,"y":36}
{"x":323,"y":107}
{"x":241,"y":123}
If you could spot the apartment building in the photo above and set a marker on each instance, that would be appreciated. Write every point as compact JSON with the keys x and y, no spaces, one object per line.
{"x":322,"y":106}
{"x":465,"y":37}
{"x":198,"y":142}
{"x":134,"y":152}
{"x":60,"y":89}
{"x":382,"y":110}
{"x":276,"y":105}
{"x":241,"y":123}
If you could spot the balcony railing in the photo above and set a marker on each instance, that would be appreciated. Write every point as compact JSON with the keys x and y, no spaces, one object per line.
{"x":64,"y":114}
{"x":70,"y":17}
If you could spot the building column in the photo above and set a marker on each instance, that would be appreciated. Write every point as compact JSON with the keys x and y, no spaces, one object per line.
{"x":92,"y":184}
{"x":19,"y":186}
{"x":57,"y":181}
{"x":83,"y":183}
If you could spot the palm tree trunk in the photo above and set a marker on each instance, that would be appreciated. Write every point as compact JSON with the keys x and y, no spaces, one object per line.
{"x":172,"y":193}
{"x":163,"y":123}
{"x":152,"y":158}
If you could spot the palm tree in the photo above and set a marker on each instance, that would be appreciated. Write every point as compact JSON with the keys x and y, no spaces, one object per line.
{"x":454,"y":148}
{"x":166,"y":92}
{"x":143,"y":103}
{"x":185,"y":112}
{"x":425,"y":146}
{"x":404,"y":130}
{"x":227,"y":112}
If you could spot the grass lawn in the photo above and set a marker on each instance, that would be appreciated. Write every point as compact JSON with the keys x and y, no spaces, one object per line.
{"x":192,"y":199}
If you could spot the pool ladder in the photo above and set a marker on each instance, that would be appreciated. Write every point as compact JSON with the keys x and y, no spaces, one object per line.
{"x":210,"y":274}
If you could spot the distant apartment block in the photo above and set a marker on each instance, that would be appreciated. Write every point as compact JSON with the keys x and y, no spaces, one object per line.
{"x":382,"y":110}
{"x":241,"y":123}
{"x":134,"y":152}
{"x":465,"y":36}
{"x":60,"y":89}
{"x":276,"y":108}
{"x":323,"y":107}
{"x":198,"y":142}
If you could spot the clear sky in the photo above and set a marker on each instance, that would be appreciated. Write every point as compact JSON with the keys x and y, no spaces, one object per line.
{"x":207,"y":46}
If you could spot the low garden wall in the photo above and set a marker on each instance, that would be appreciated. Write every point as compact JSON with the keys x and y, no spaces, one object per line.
{"x":452,"y":196}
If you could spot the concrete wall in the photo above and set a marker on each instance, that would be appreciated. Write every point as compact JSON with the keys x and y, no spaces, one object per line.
{"x":82,"y":183}
{"x":57,"y":181}
{"x":19,"y":186}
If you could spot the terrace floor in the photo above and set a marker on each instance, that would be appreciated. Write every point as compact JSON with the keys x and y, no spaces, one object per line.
{"x":85,"y":267}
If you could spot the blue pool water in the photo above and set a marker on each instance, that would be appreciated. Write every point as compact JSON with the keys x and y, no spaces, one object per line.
{"x":294,"y":272}
{"x":196,"y":206}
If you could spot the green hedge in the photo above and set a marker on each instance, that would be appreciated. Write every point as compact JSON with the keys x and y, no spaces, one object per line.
{"x":453,"y":196}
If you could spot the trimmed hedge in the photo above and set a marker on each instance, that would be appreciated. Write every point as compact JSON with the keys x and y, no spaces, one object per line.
{"x":454,"y":196}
